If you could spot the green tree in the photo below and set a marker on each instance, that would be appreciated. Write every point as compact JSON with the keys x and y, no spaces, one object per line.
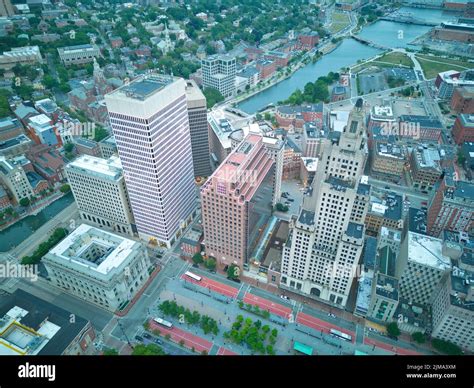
{"x":211,"y":263}
{"x":24,"y":201}
{"x":110,"y":352}
{"x":393,"y":330}
{"x":197,"y":258}
{"x":68,"y":147}
{"x":65,"y":188}
{"x":418,"y":337}
{"x":233,"y":272}
{"x":446,"y":347}
{"x":147,"y":350}
{"x":281,"y":207}
{"x":213,"y":96}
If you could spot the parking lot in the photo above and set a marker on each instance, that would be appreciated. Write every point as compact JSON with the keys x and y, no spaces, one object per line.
{"x":292,"y":196}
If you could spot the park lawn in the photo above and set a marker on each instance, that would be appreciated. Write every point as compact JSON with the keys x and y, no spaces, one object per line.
{"x":339,"y":22}
{"x":431,"y":69}
{"x":396,"y":59}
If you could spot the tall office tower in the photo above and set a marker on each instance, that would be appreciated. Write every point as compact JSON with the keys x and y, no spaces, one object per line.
{"x":218,"y":72}
{"x":421,"y":265}
{"x":237,"y":201}
{"x":325,"y":242}
{"x":149,"y":119}
{"x":6,"y":8}
{"x":197,"y":114}
{"x":451,"y":207}
{"x":99,"y":189}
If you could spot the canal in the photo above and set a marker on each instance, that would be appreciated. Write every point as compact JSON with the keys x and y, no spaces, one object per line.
{"x":348,"y":53}
{"x":19,"y":231}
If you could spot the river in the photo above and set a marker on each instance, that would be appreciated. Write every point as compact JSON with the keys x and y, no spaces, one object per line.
{"x":19,"y":231}
{"x":348,"y":53}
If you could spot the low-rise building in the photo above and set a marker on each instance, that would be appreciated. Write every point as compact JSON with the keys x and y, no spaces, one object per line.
{"x":9,"y":128}
{"x":77,"y":55}
{"x":42,"y":130}
{"x":294,"y":117}
{"x":48,"y":163}
{"x":425,"y":167}
{"x":385,"y":210}
{"x":463,"y":129}
{"x":100,"y":267}
{"x":451,"y":207}
{"x":447,"y":81}
{"x":388,"y":159}
{"x":418,"y":127}
{"x":28,"y":55}
{"x":15,"y":179}
{"x":32,"y":326}
{"x":191,"y":243}
{"x":462,"y":100}
{"x":384,"y":298}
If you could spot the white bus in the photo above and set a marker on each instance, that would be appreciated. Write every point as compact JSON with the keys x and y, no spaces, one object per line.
{"x":193,"y":276}
{"x":341,"y":335}
{"x":162,"y":322}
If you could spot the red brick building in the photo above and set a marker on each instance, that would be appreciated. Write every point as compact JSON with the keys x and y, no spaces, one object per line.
{"x":253,"y":53}
{"x":266,"y":68}
{"x":295,"y":117}
{"x":281,"y":59}
{"x":462,"y":100}
{"x":48,"y":163}
{"x":308,"y":41}
{"x":463,"y":129}
{"x":451,"y":207}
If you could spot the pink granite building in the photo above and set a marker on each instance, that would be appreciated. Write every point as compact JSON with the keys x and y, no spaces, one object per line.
{"x":236,"y":203}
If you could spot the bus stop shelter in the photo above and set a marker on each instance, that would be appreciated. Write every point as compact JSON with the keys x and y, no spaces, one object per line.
{"x":302,"y":348}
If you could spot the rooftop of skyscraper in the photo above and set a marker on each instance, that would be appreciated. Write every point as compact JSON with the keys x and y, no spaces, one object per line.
{"x":145,"y":86}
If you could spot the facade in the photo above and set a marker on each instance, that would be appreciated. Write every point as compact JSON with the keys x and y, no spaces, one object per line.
{"x":451,"y":207}
{"x":425,"y":167}
{"x":6,"y":8}
{"x":388,"y":159}
{"x":462,"y":100}
{"x":9,"y":128}
{"x":15,"y":179}
{"x":42,"y":130}
{"x":99,"y":189}
{"x":313,"y":140}
{"x":149,"y":119}
{"x":108,"y":147}
{"x":420,"y":128}
{"x":420,"y":267}
{"x":326,"y":239}
{"x":191,"y":243}
{"x":237,"y":203}
{"x":28,"y":55}
{"x":384,"y":298}
{"x":447,"y":81}
{"x":77,"y":55}
{"x":384,"y":211}
{"x":87,"y":147}
{"x":219,"y":72}
{"x":463,"y":129}
{"x":453,"y":309}
{"x":98,"y":266}
{"x":197,"y":114}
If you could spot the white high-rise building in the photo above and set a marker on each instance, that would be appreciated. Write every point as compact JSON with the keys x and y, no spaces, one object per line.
{"x":325,"y":242}
{"x":219,"y":72}
{"x":149,"y":118}
{"x":99,"y":189}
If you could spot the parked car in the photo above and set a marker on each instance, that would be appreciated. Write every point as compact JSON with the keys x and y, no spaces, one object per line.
{"x":284,"y":297}
{"x":146,"y":335}
{"x":373,"y":330}
{"x":158,"y":341}
{"x":291,"y":200}
{"x":139,"y":338}
{"x":331,"y":315}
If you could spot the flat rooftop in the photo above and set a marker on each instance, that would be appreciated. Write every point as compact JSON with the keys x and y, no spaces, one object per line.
{"x":427,"y":250}
{"x":145,"y":86}
{"x":94,"y":249}
{"x":106,"y":168}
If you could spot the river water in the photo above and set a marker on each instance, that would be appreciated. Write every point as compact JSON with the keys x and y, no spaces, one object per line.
{"x":19,"y":231}
{"x":388,"y":34}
